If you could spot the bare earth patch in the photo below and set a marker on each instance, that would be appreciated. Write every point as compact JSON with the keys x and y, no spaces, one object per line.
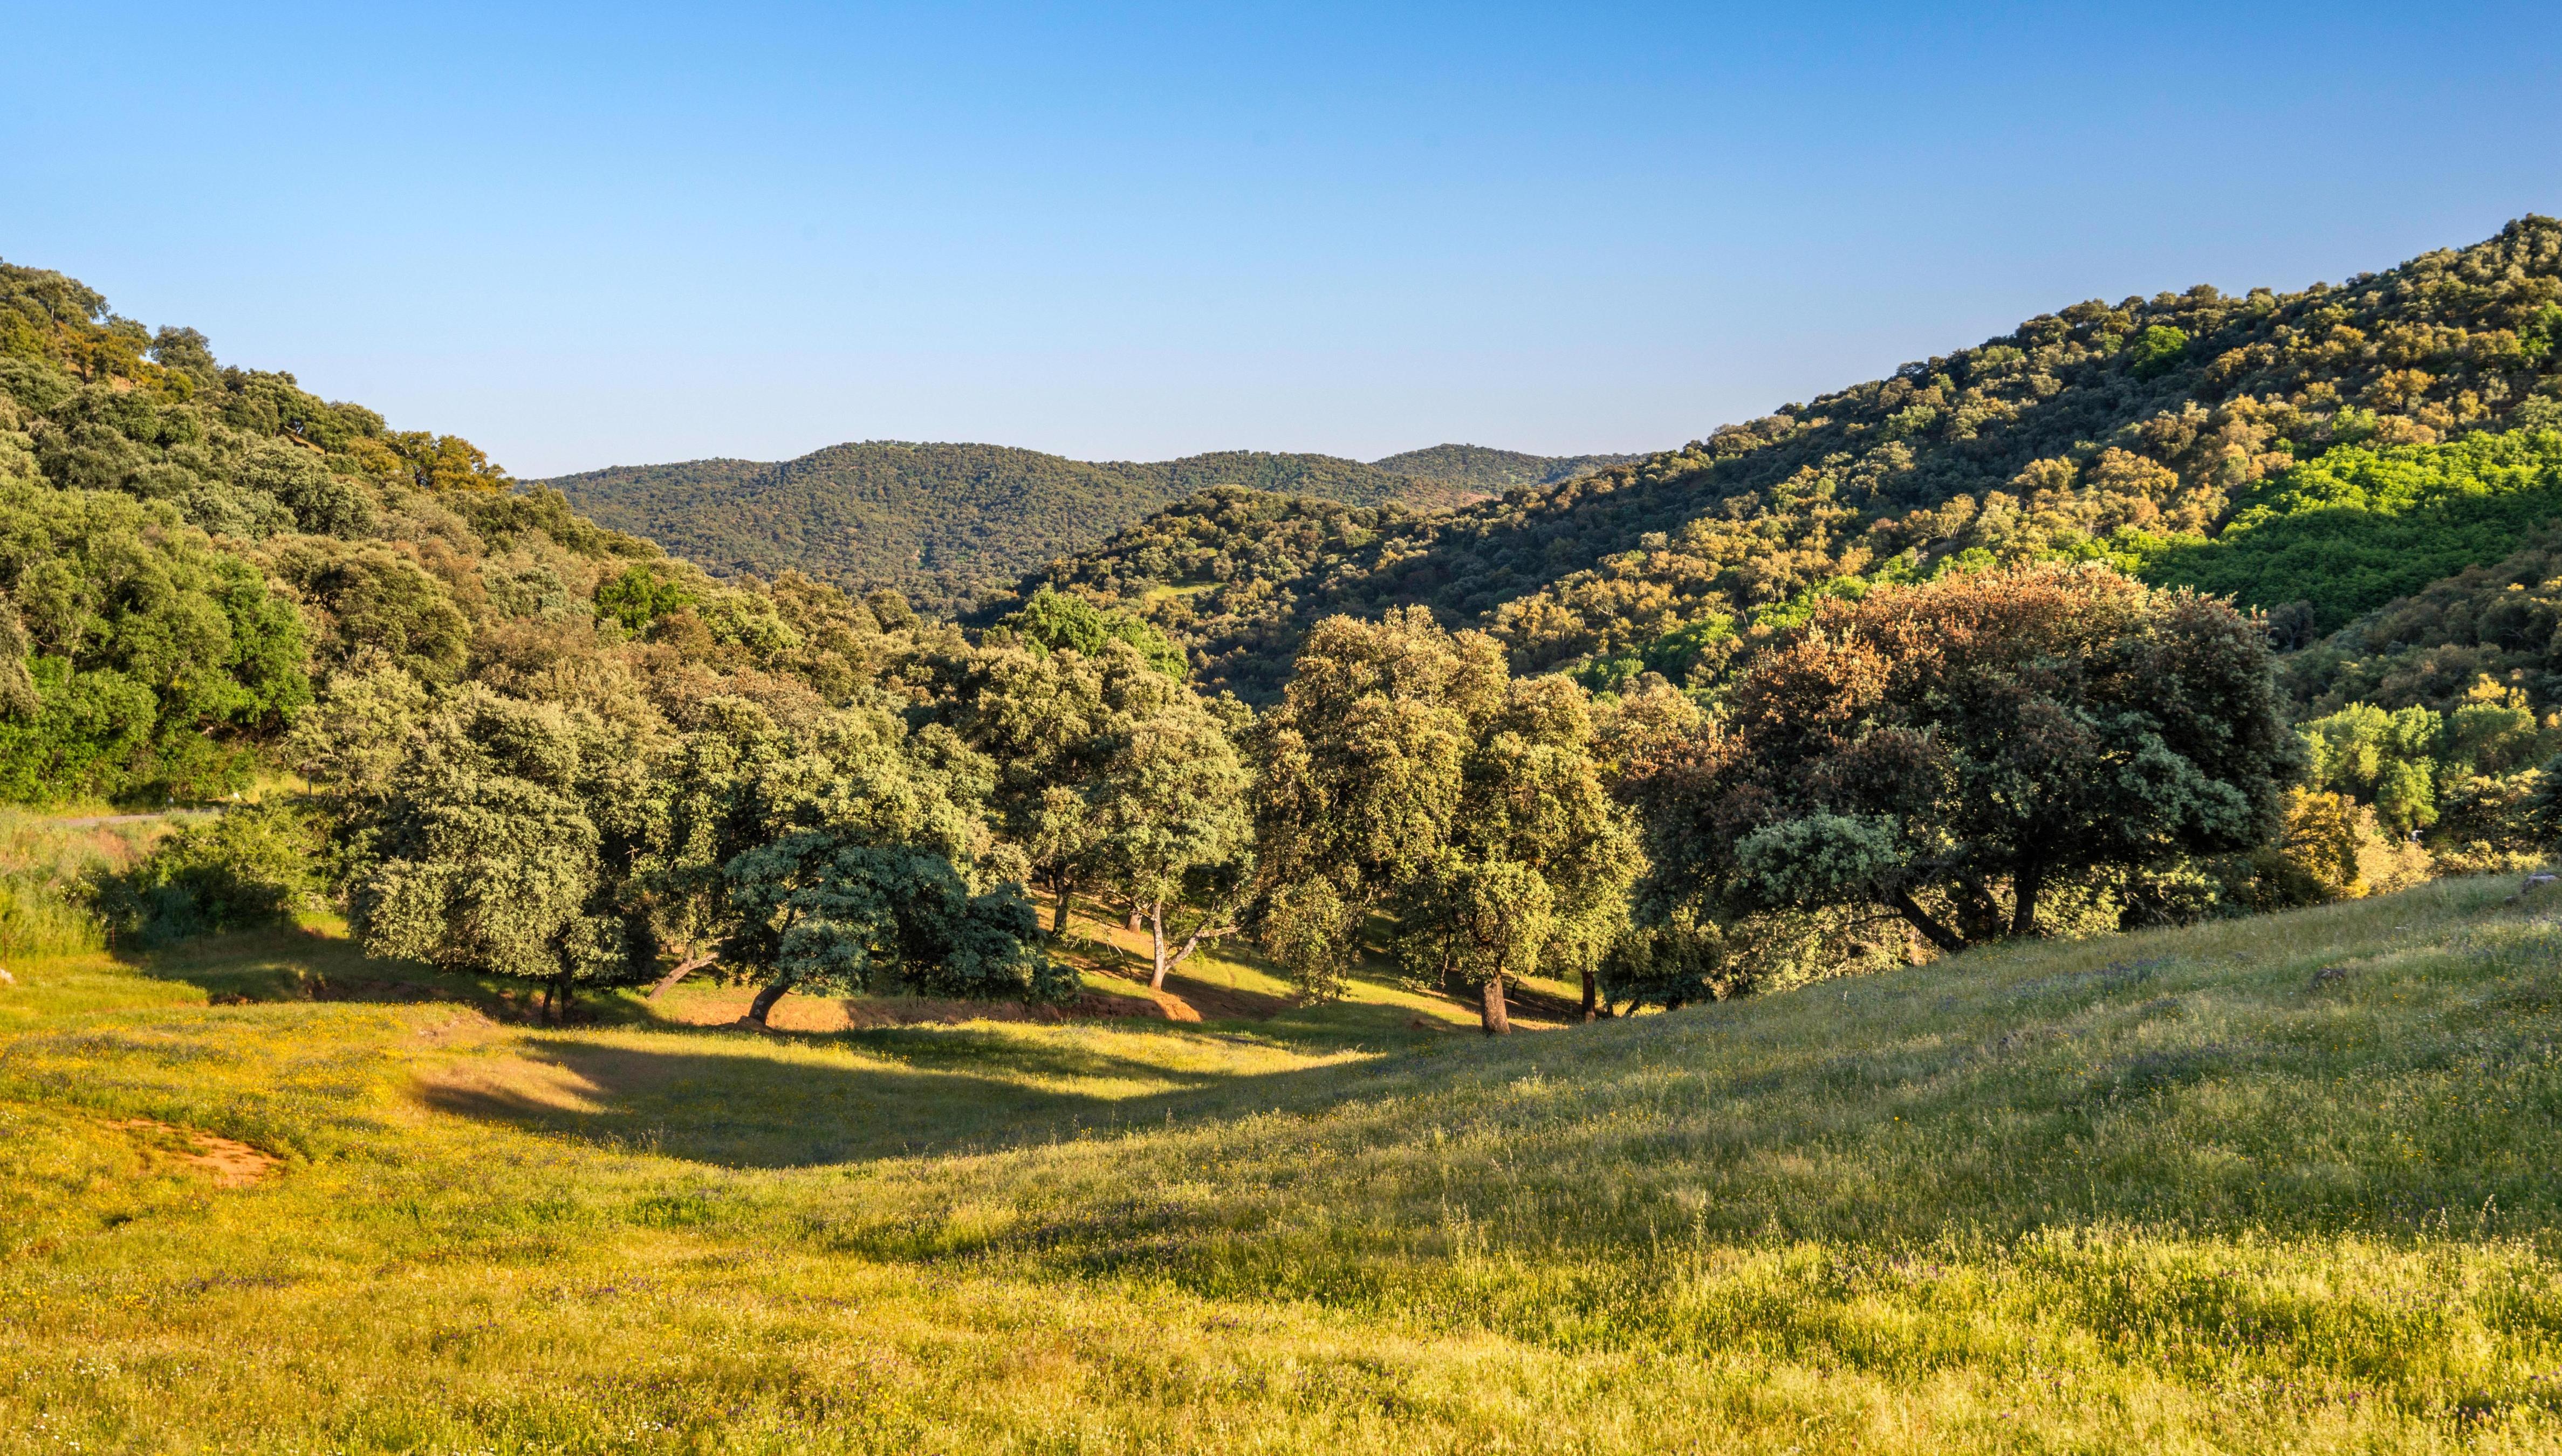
{"x":233,"y":1164}
{"x":726,"y":1005}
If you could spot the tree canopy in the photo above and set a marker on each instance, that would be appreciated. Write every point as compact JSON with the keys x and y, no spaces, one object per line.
{"x":1408,"y":773}
{"x":1953,"y":750}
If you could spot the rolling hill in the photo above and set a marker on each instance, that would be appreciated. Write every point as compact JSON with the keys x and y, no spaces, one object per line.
{"x":944,"y":523}
{"x":2134,"y":432}
{"x":1493,"y":472}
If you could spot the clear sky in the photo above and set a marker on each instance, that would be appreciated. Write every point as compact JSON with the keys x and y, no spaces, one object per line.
{"x":614,"y":235}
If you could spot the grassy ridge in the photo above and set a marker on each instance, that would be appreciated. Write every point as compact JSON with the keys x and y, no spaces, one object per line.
{"x":2165,"y":1191}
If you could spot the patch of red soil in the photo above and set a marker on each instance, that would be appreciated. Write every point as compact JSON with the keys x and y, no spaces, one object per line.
{"x":233,"y":1164}
{"x":1184,"y":1000}
{"x":727,"y":1006}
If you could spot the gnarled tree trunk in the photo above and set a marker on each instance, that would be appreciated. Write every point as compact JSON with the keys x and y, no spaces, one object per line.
{"x":765,"y":996}
{"x":1493,"y":1017}
{"x":1156,"y":941}
{"x":1165,"y":960}
{"x":684,"y":969}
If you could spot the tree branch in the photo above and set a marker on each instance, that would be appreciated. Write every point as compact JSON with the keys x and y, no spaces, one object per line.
{"x":1937,"y":934}
{"x":683,"y":970}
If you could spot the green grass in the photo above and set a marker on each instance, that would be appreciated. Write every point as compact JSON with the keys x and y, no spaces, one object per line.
{"x":2156,"y":1192}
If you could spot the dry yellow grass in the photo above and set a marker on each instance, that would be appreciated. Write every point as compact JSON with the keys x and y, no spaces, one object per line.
{"x":2163,"y":1192}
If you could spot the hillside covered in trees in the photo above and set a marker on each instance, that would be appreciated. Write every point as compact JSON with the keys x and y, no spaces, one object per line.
{"x":2183,"y":609}
{"x":2338,"y":447}
{"x":946,"y":523}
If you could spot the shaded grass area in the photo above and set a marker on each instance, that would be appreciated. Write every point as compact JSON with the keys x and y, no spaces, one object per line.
{"x":2167,"y":1191}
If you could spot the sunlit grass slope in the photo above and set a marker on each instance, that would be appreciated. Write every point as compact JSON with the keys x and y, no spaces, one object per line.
{"x":2171,"y":1193}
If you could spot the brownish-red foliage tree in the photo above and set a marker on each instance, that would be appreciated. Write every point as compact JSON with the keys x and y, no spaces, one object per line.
{"x":1950,"y":750}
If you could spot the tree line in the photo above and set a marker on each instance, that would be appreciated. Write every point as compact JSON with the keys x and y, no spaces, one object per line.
{"x":1995,"y":754}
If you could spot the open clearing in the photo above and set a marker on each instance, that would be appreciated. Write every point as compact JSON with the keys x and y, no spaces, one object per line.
{"x":2168,"y":1191}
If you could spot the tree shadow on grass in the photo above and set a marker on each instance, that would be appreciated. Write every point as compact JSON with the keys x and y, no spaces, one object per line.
{"x":918,"y":1093}
{"x":316,"y":963}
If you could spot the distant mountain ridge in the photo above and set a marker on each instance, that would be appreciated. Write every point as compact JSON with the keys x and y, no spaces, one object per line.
{"x":944,"y":523}
{"x":1494,"y":471}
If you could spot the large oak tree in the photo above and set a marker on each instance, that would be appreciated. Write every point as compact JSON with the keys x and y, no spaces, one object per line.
{"x":1949,"y":750}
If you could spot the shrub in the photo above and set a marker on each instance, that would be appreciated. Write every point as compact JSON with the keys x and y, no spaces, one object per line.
{"x":251,"y":867}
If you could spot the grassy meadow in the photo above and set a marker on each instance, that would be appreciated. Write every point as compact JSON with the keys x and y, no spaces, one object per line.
{"x":2280,"y":1184}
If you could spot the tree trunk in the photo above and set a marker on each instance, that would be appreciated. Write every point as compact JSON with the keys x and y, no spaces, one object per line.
{"x":560,"y":1012}
{"x":1592,"y":1011}
{"x":1166,"y":962}
{"x":2024,"y":885}
{"x":1156,"y":940}
{"x":1134,"y":915}
{"x":1920,"y":919}
{"x":1494,"y":1019}
{"x":766,"y":997}
{"x":544,"y":1015}
{"x":684,"y":969}
{"x":1058,"y":915}
{"x":1979,"y":915}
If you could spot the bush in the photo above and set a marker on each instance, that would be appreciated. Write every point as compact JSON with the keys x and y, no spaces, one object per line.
{"x":248,"y":868}
{"x":2330,"y":849}
{"x":36,"y":920}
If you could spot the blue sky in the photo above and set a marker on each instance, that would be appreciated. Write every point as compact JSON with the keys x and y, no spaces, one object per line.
{"x":594,"y":235}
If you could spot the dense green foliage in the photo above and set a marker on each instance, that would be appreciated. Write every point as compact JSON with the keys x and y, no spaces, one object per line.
{"x":548,"y":752}
{"x":2432,"y":647}
{"x":514,"y":721}
{"x":176,"y":535}
{"x":942,"y":523}
{"x":496,"y":850}
{"x":2082,"y":433}
{"x":250,"y":866}
{"x":2354,"y":528}
{"x":1408,"y":773}
{"x":1050,"y":621}
{"x":1962,"y":754}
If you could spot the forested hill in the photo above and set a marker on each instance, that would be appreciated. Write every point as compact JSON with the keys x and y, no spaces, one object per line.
{"x":2292,"y":448}
{"x":944,"y":523}
{"x":1491,"y":471}
{"x":206,"y":573}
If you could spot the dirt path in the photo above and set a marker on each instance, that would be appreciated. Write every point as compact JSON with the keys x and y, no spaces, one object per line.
{"x":98,"y":821}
